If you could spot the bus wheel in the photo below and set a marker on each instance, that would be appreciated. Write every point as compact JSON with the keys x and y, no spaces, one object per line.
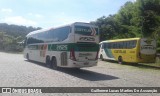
{"x":120,"y":60}
{"x":101,"y":57}
{"x":54,"y":63}
{"x":27,"y":56}
{"x":48,"y":62}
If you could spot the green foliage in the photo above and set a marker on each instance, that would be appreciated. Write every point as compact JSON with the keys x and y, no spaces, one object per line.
{"x":15,"y":30}
{"x":11,"y":35}
{"x":128,"y":21}
{"x":134,"y":19}
{"x":107,"y":27}
{"x":150,"y":16}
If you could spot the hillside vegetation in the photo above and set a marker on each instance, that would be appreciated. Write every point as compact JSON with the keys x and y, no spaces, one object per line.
{"x":10,"y":35}
{"x":134,"y":19}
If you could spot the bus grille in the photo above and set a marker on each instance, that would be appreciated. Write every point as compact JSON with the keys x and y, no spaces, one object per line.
{"x":64,"y":58}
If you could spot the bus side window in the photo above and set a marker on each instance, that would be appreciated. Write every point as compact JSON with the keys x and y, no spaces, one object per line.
{"x":120,"y":45}
{"x":128,"y":44}
{"x":105,"y":45}
{"x":125,"y":45}
{"x":64,"y":30}
{"x":109,"y":45}
{"x":133,"y":44}
{"x":114,"y":45}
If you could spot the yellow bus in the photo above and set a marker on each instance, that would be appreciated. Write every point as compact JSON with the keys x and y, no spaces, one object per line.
{"x":133,"y":50}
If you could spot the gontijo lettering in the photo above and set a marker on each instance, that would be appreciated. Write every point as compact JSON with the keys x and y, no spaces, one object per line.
{"x":83,"y":30}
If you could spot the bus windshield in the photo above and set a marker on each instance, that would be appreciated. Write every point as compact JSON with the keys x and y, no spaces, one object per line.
{"x":86,"y":34}
{"x":148,"y":46}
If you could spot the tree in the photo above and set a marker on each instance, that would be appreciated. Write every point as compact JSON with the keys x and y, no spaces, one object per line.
{"x":15,"y":30}
{"x":128,"y":21}
{"x":150,"y":16}
{"x":134,"y":19}
{"x":107,"y":27}
{"x":1,"y":39}
{"x":10,"y":35}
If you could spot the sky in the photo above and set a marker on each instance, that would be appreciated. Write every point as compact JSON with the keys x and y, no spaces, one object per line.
{"x":54,"y":13}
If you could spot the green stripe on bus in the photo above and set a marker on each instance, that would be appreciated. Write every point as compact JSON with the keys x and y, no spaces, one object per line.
{"x":76,"y":47}
{"x":108,"y":53}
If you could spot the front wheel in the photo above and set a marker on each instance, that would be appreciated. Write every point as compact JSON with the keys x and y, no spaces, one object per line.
{"x":27,"y":56}
{"x":101,"y":57}
{"x":120,"y":60}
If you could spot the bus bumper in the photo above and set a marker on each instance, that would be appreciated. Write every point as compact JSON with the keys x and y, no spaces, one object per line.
{"x":77,"y":64}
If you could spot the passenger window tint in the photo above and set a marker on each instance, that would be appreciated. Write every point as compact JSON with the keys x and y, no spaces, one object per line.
{"x":121,"y":45}
{"x":133,"y":44}
{"x":59,"y":34}
{"x":52,"y":35}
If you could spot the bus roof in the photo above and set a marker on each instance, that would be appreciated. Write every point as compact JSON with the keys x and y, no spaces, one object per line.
{"x":75,"y":23}
{"x":116,"y":40}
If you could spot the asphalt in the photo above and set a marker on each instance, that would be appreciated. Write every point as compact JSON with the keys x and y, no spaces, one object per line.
{"x":15,"y":71}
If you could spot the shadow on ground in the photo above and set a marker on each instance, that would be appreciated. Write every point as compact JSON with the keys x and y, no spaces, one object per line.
{"x":87,"y":74}
{"x":81,"y":73}
{"x":139,"y":65}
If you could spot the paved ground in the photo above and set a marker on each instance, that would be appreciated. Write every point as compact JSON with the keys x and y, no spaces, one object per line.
{"x":15,"y":71}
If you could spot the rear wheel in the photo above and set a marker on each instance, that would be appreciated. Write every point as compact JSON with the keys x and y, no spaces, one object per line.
{"x":120,"y":60}
{"x":48,"y":61}
{"x":101,"y":57}
{"x":54,"y":63}
{"x":27,"y":56}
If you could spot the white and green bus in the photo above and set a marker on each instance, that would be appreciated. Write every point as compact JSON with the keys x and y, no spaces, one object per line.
{"x":73,"y":46}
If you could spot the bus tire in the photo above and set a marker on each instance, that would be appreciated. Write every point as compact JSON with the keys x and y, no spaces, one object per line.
{"x":54,"y":63}
{"x":27,"y":56}
{"x":48,"y":61}
{"x":101,"y":57}
{"x":120,"y":60}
